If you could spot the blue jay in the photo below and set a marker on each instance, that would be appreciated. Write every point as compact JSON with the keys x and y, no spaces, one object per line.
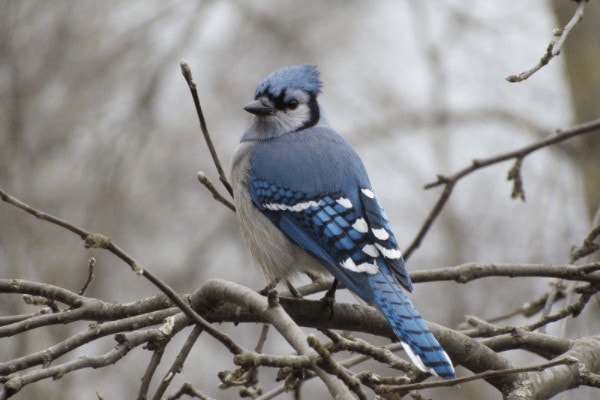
{"x":304,"y":202}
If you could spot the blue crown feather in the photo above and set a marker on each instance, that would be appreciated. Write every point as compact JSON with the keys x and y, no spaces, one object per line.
{"x":303,"y":77}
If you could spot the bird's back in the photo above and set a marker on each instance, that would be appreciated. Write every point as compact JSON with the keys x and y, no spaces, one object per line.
{"x":322,"y":162}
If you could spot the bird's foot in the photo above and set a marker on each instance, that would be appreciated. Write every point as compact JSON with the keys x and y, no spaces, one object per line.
{"x":268,"y":288}
{"x":329,"y":299}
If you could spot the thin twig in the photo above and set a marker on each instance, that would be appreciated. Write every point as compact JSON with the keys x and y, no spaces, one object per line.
{"x":188,"y":389}
{"x":95,"y":240}
{"x":553,"y":48}
{"x":211,"y":188}
{"x":333,"y":367}
{"x":187,"y":74}
{"x":573,"y":309}
{"x":433,"y":214}
{"x":177,"y":365}
{"x":49,"y":354}
{"x":527,"y":310}
{"x":41,"y":215}
{"x":263,"y":338}
{"x":468,"y":272}
{"x":450,"y":181}
{"x":90,"y":277}
{"x":556,"y":288}
{"x":150,"y":370}
{"x":126,"y":342}
{"x":588,"y":247}
{"x":483,"y":375}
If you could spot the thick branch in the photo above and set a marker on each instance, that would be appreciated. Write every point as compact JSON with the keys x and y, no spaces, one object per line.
{"x":311,"y":313}
{"x":215,"y":291}
{"x":550,"y":382}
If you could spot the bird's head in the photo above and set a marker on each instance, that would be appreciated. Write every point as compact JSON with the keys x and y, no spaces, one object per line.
{"x":286,"y":100}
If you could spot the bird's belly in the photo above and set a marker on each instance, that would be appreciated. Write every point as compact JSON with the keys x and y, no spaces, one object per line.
{"x":277,"y":256}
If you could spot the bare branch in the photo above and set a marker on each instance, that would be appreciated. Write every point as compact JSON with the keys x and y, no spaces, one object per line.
{"x":215,"y":291}
{"x":96,"y":240}
{"x":468,"y":272}
{"x":150,"y":370}
{"x":188,"y":389}
{"x":187,"y":74}
{"x":177,"y":365}
{"x":330,"y":365}
{"x":589,"y":245}
{"x":126,"y":342}
{"x":553,"y":48}
{"x":41,"y":215}
{"x":450,"y":181}
{"x":90,"y":278}
{"x":345,"y":317}
{"x":211,"y":188}
{"x":484,"y":375}
{"x":547,"y":346}
{"x":81,"y":308}
{"x":52,"y":353}
{"x":551,"y":381}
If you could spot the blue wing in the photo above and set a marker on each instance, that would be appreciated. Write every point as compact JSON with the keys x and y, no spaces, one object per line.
{"x":356,"y":247}
{"x":314,"y":187}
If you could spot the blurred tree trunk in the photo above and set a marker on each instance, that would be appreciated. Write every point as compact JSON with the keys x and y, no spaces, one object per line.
{"x":581,"y":54}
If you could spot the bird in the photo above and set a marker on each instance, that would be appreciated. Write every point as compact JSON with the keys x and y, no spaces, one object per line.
{"x":305,"y":205}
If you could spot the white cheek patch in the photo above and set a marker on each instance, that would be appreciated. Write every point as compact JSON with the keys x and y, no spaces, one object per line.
{"x":290,"y":120}
{"x":294,"y":208}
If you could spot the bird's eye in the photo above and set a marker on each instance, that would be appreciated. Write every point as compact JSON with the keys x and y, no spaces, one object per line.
{"x":292,"y":104}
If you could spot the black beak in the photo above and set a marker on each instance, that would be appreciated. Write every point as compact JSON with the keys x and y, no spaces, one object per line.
{"x":257,"y":107}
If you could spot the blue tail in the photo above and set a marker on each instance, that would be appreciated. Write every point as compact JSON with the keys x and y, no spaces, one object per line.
{"x":418,"y":341}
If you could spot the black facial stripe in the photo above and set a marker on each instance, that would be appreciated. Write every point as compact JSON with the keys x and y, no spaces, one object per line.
{"x":279,"y":102}
{"x":314,"y":112}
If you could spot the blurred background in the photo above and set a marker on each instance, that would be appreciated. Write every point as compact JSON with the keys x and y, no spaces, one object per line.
{"x":97,"y":126}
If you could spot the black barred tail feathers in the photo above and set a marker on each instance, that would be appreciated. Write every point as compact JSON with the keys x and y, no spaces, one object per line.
{"x":419,"y":343}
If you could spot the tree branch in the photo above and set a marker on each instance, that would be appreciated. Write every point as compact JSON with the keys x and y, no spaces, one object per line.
{"x":177,"y":365}
{"x":215,"y":291}
{"x":126,"y":342}
{"x":462,"y":349}
{"x":95,"y":240}
{"x":187,"y":74}
{"x":549,"y":382}
{"x":471,"y":271}
{"x":450,"y":181}
{"x":553,"y":48}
